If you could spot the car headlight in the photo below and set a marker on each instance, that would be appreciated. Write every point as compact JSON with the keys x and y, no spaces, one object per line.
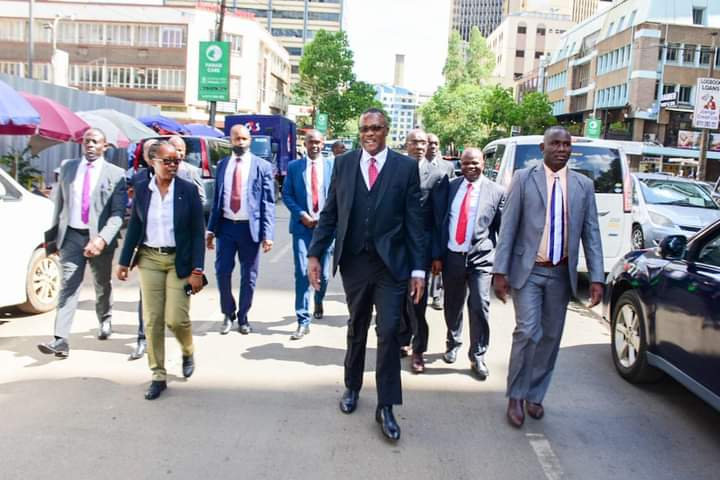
{"x":661,"y":220}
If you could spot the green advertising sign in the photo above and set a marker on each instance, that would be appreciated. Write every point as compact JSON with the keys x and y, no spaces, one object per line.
{"x":321,"y":122}
{"x":214,"y":72}
{"x":593,"y":128}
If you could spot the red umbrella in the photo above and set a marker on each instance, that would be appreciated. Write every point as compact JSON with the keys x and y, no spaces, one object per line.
{"x":57,"y":123}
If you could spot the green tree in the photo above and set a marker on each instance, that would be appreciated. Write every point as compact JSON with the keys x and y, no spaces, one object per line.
{"x":455,"y":115}
{"x":480,"y":59}
{"x":497,"y":108}
{"x":534,"y":114}
{"x":18,"y":164}
{"x":347,"y":105}
{"x":454,"y":69}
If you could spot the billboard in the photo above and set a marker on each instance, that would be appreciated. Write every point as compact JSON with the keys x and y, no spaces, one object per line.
{"x":691,"y":140}
{"x":707,"y":96}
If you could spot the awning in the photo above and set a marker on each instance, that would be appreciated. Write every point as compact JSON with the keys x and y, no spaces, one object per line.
{"x":677,"y":152}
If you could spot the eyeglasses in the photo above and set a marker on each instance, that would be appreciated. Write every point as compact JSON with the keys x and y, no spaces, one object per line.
{"x":372,"y":128}
{"x":170,"y":161}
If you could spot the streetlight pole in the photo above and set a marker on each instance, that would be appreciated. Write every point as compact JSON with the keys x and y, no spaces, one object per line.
{"x":30,"y":52}
{"x":705,"y":136}
{"x":218,"y":38}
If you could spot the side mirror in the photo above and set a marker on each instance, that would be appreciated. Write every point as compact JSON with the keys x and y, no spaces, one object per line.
{"x":673,"y":247}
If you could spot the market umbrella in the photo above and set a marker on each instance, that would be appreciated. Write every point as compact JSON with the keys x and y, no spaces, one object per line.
{"x":17,"y":116}
{"x":164,"y":125}
{"x":202,"y":130}
{"x":113,"y":134}
{"x":58,"y":124}
{"x":130,"y":127}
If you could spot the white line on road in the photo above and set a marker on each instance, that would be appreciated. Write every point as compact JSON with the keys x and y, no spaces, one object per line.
{"x":547,"y":458}
{"x":281,"y":253}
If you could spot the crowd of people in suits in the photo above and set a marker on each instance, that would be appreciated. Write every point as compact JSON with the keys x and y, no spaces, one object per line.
{"x":392,"y":224}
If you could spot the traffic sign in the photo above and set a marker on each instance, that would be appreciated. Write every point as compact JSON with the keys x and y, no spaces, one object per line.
{"x":707,"y":96}
{"x":214,"y":71}
{"x":321,"y":122}
{"x":593,"y":128}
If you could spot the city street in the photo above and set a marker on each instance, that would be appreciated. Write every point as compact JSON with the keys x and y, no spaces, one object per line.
{"x":263,"y":406}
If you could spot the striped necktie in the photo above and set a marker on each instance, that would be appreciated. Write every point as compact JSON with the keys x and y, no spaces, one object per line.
{"x":556,"y":240}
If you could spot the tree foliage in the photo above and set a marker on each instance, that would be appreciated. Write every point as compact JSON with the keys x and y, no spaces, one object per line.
{"x":454,"y":114}
{"x":454,"y":69}
{"x":534,"y":114}
{"x":480,"y":59}
{"x":348,"y":105}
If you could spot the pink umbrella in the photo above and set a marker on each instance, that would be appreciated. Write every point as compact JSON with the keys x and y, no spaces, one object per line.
{"x":57,"y":123}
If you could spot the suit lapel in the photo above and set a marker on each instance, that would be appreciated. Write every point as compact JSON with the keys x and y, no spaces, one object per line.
{"x":350,"y":179}
{"x":220,"y":175}
{"x":252,"y":176}
{"x":97,"y":193}
{"x":302,"y":184}
{"x":541,"y":184}
{"x":574,"y":190}
{"x":327,"y":174}
{"x":72,"y":170}
{"x":177,"y":205}
{"x":384,"y":177}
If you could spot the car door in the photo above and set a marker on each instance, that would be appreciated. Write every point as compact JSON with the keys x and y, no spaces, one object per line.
{"x":688,"y":312}
{"x":16,"y":245}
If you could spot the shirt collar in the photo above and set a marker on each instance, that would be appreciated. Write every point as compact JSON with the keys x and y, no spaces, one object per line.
{"x":475,"y":183}
{"x":244,"y":157}
{"x":562,"y":173}
{"x":98,"y":161}
{"x":317,"y":160}
{"x":152,"y":185}
{"x":379,"y":158}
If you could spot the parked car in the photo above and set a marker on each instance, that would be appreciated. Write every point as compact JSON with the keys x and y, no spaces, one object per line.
{"x":663,"y":305}
{"x":665,"y":205}
{"x":33,"y":278}
{"x":603,"y":161}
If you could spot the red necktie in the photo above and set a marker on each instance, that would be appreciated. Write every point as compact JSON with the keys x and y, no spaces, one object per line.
{"x":462,"y":224}
{"x":236,"y":192}
{"x":372,"y":172}
{"x":314,"y":188}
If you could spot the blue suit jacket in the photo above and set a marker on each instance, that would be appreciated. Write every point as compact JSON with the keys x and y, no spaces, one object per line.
{"x":295,"y":192}
{"x":260,"y":201}
{"x":189,"y":224}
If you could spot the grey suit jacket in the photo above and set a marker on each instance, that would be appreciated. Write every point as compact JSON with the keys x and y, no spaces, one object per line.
{"x":193,"y":175}
{"x":446,"y":167}
{"x":107,"y":205}
{"x":523,"y":224}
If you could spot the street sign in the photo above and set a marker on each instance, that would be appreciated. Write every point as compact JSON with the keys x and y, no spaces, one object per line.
{"x":593,"y":128}
{"x":707,"y":96}
{"x":668,"y":99}
{"x":321,"y":122}
{"x":214,"y":72}
{"x":515,"y":131}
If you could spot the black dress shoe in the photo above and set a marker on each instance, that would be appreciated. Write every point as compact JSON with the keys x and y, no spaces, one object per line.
{"x":451,"y":355}
{"x":349,"y":401}
{"x":479,"y":368}
{"x":226,"y":325}
{"x":188,"y":366}
{"x":58,"y":347}
{"x":318,"y":313}
{"x":389,"y":426}
{"x":156,"y":388}
{"x":244,"y":328}
{"x":105,"y":330}
{"x":139,"y":349}
{"x":301,"y":331}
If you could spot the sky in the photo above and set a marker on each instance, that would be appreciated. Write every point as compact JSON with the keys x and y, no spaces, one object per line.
{"x":379,"y":29}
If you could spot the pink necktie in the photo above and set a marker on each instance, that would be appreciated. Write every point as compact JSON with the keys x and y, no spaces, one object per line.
{"x":372,"y":172}
{"x":85,"y":206}
{"x":236,"y":192}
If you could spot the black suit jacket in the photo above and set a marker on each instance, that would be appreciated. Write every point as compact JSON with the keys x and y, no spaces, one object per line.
{"x":189,"y":227}
{"x":399,"y":233}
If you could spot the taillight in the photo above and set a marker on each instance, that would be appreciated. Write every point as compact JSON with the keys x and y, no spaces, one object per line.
{"x":204,"y":161}
{"x":627,"y":192}
{"x":138,"y":153}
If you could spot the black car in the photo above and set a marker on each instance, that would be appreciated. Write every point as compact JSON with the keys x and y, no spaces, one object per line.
{"x":663,"y":305}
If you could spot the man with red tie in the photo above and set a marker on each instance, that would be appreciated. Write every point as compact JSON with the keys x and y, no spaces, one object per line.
{"x":304,"y":192}
{"x":463,"y":250}
{"x":243,"y":220}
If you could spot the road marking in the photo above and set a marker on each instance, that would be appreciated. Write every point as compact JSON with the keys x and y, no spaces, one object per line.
{"x":547,"y":458}
{"x":281,"y":253}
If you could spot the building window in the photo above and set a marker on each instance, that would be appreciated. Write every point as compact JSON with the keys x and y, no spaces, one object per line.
{"x":91,"y":33}
{"x":236,"y":43}
{"x":120,"y":77}
{"x":673,"y":51}
{"x":684,"y":94}
{"x":698,"y":16}
{"x":147,"y":35}
{"x":294,"y":69}
{"x":517,"y":76}
{"x":705,"y":54}
{"x":521,"y":29}
{"x":294,"y":51}
{"x":172,"y":37}
{"x":668,"y":89}
{"x":610,"y":29}
{"x":538,"y":54}
{"x":520,"y":53}
{"x":119,"y":34}
{"x":688,"y":55}
{"x":12,"y":30}
{"x":540,"y":31}
{"x":631,"y":20}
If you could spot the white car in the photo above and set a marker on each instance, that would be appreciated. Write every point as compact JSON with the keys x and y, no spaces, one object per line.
{"x":34,"y":283}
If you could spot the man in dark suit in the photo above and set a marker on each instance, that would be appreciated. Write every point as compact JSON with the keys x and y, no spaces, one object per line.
{"x":373,"y":208}
{"x":463,"y":250}
{"x":304,"y":192}
{"x":243,"y":220}
{"x":90,"y":199}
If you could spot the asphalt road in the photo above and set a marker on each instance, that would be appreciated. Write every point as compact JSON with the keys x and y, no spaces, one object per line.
{"x":262,"y":406}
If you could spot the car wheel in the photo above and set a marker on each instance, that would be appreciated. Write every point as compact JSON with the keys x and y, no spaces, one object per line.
{"x":42,"y":284}
{"x":629,"y":346}
{"x":637,"y":238}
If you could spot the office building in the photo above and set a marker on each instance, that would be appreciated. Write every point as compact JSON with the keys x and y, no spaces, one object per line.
{"x":401,"y":106}
{"x":465,"y":14}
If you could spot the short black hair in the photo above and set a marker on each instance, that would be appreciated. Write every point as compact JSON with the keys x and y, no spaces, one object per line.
{"x":155,"y":147}
{"x":376,"y":111}
{"x":554,"y":128}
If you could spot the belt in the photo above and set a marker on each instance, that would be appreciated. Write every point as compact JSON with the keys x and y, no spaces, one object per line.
{"x":161,"y":250}
{"x":84,"y":231}
{"x":549,"y":264}
{"x":462,"y":254}
{"x":225,"y":219}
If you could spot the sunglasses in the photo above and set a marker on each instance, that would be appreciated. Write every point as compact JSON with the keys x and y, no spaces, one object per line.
{"x":170,"y":161}
{"x":372,"y":128}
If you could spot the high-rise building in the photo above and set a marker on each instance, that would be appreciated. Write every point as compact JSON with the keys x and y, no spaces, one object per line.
{"x":485,"y":14}
{"x":558,"y":7}
{"x":583,"y":9}
{"x":294,"y":22}
{"x":401,"y":105}
{"x":399,"y":70}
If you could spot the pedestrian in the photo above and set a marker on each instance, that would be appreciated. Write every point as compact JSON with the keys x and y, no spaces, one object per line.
{"x":536,"y":258}
{"x":243,"y":220}
{"x":89,"y":199}
{"x":431,"y":182}
{"x":186,"y":170}
{"x":464,"y":247}
{"x":304,"y":192}
{"x":338,"y":148}
{"x":165,"y":239}
{"x":373,"y":207}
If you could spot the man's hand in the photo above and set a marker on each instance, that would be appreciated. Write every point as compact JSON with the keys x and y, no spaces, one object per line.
{"x":437,"y":267}
{"x":314,"y":272}
{"x":417,"y":288}
{"x":195,"y":282}
{"x":267,"y":245}
{"x":501,"y":286}
{"x":308,"y":221}
{"x":209,"y":241}
{"x":596,"y":293}
{"x":122,"y":273}
{"x":94,"y":247}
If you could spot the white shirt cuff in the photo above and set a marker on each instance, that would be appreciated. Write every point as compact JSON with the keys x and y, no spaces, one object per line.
{"x":418,"y":274}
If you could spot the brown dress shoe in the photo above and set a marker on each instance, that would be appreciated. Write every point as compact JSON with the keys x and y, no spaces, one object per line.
{"x":515,"y":413}
{"x":535,"y":410}
{"x":418,"y":363}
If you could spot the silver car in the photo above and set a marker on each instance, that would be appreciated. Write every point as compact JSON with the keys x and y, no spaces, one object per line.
{"x":665,"y":205}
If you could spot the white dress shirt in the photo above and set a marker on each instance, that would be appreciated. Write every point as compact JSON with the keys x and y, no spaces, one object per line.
{"x":319,"y":171}
{"x":244,"y":162}
{"x":365,"y":164}
{"x":77,"y":190}
{"x":160,"y":226}
{"x":455,"y":216}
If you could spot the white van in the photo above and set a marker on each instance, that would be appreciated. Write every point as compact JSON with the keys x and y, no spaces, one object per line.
{"x":603,"y":161}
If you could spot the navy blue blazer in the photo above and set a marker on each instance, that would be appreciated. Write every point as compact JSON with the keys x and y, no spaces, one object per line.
{"x":295,"y":192}
{"x":189,"y":227}
{"x":261,"y":200}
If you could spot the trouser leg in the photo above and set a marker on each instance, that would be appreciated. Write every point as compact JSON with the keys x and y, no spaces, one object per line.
{"x":249,"y":257}
{"x":389,"y":296}
{"x":420,"y":326}
{"x":101,"y":267}
{"x":153,"y":275}
{"x":478,"y":312}
{"x":224,"y":266}
{"x":141,"y":323}
{"x":324,"y":275}
{"x":303,"y":291}
{"x":177,"y":308}
{"x":72,"y":263}
{"x":455,"y":280}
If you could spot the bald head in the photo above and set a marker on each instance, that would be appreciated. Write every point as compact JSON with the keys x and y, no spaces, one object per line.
{"x":314,"y":142}
{"x":240,"y":139}
{"x":179,"y":144}
{"x":433,"y":148}
{"x":556,"y":147}
{"x":472,"y":163}
{"x":416,"y":143}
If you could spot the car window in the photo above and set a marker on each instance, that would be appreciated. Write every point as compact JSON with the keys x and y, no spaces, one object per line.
{"x":710,"y":253}
{"x":669,"y":192}
{"x":7,"y":191}
{"x":601,"y":164}
{"x":635,"y":199}
{"x":218,"y":150}
{"x":193,"y":152}
{"x":493,"y":158}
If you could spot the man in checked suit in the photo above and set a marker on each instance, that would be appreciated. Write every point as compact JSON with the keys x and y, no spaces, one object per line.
{"x":537,"y":258}
{"x":90,"y":202}
{"x":243,"y":220}
{"x":373,"y":209}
